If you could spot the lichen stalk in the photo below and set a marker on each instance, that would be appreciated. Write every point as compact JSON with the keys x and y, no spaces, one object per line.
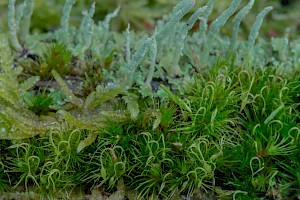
{"x":64,"y":22}
{"x":254,"y":32}
{"x":237,"y":21}
{"x":12,"y":26}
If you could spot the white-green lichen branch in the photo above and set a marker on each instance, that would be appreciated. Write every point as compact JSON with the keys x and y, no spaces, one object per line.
{"x":64,"y":22}
{"x":236,"y":23}
{"x":254,"y":33}
{"x":215,"y":28}
{"x":12,"y":26}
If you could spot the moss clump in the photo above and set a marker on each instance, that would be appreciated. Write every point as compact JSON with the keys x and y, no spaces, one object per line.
{"x":167,"y":116}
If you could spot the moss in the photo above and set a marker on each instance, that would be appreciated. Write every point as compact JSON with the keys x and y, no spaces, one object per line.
{"x":217,"y":124}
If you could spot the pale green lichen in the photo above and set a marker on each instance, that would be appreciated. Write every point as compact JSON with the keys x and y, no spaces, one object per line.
{"x":254,"y":33}
{"x":12,"y":25}
{"x":109,"y":17}
{"x":280,"y":45}
{"x":171,"y":38}
{"x":152,"y":59}
{"x":236,"y":23}
{"x":179,"y":11}
{"x":222,"y":19}
{"x":137,"y":57}
{"x":64,"y":22}
{"x":184,"y":32}
{"x":26,"y":19}
{"x":84,"y":37}
{"x":19,"y":22}
{"x":103,"y":44}
{"x":215,"y":28}
{"x":127,"y":44}
{"x":207,"y":12}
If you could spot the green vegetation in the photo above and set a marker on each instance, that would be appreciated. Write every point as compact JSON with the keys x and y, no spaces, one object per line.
{"x":182,"y":112}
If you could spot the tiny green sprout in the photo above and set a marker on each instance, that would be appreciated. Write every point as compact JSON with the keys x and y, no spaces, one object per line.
{"x":58,"y":57}
{"x":38,"y":103}
{"x":55,"y":56}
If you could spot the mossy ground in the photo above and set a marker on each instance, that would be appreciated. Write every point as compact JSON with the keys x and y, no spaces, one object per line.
{"x":239,"y":137}
{"x":230,"y":132}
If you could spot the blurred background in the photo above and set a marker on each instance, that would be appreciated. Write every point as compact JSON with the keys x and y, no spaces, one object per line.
{"x":142,"y":14}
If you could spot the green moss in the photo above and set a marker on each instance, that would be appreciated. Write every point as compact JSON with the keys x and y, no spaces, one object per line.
{"x":38,"y":103}
{"x":158,"y":119}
